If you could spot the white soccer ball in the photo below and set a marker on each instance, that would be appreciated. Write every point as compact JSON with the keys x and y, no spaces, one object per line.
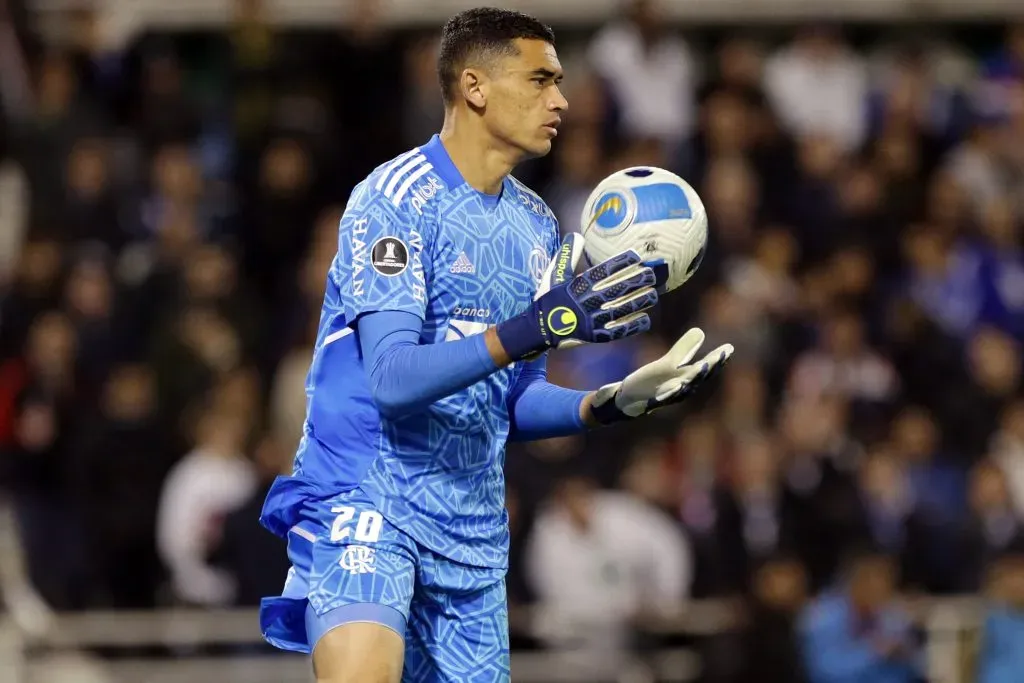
{"x":652,"y":211}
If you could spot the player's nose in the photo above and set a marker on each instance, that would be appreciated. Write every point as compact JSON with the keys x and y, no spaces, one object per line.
{"x":558,"y":102}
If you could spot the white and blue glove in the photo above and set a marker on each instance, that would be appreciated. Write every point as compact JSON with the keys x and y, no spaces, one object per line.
{"x":666,"y":381}
{"x":601,"y":304}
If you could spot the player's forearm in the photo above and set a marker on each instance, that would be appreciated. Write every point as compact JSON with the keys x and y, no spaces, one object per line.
{"x":543,"y":410}
{"x":406,"y":376}
{"x":494,"y":347}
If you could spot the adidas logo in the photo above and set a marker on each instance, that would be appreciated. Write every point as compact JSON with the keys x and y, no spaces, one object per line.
{"x":462,"y":265}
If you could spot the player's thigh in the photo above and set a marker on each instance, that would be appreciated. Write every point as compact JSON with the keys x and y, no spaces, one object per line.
{"x":361,"y":585}
{"x":458,"y":629}
{"x":359,"y":652}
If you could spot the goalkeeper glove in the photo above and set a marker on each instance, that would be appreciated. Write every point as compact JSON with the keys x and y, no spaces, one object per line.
{"x":668,"y":380}
{"x":604,"y":303}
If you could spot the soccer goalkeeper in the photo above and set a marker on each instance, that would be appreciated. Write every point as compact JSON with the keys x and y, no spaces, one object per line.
{"x":448,"y":288}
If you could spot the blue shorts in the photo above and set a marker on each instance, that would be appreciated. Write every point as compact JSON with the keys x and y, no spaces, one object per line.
{"x":349,"y":565}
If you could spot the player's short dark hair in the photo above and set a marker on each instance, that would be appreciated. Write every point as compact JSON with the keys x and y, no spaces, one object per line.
{"x":482,"y":33}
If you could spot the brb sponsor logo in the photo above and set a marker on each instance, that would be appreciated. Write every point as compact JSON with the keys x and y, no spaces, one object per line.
{"x":471,"y":312}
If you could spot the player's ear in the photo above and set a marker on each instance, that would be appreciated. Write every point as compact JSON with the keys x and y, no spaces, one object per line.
{"x":474,"y":87}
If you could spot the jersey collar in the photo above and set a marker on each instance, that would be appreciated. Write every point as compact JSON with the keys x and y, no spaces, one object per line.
{"x":438,"y":157}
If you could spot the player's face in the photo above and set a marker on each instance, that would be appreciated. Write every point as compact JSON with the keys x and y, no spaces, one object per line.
{"x":525,"y":102}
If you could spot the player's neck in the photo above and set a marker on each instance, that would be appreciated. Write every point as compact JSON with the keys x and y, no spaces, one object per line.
{"x":483,"y":161}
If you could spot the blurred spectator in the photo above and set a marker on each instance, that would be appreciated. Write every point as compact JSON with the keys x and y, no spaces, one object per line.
{"x":275,"y":229}
{"x":644,"y":474}
{"x":898,"y":161}
{"x":255,"y":47}
{"x":211,"y":279}
{"x":89,"y":302}
{"x":771,"y":651}
{"x":970,"y":413}
{"x":120,"y":463}
{"x":979,"y":163}
{"x":288,"y":395}
{"x":62,"y":114}
{"x":45,"y":367}
{"x":911,"y":95}
{"x":1002,"y":267}
{"x":375,"y":132}
{"x":42,"y":422}
{"x":34,"y":289}
{"x":16,"y":96}
{"x":257,"y":561}
{"x":723,"y":315}
{"x":859,"y":632}
{"x":517,"y":583}
{"x":579,"y":169}
{"x":165,"y":115}
{"x":199,"y":348}
{"x":820,"y":469}
{"x":819,"y":88}
{"x":813,"y":204}
{"x":89,"y":210}
{"x":14,"y":208}
{"x":845,"y":365}
{"x":200,"y":491}
{"x":1001,"y":71}
{"x":423,"y":111}
{"x":937,"y":478}
{"x":894,"y":522}
{"x":594,"y":574}
{"x":1000,"y":658}
{"x":992,"y":527}
{"x":754,"y":520}
{"x":766,"y":279}
{"x":739,"y":63}
{"x":743,"y":404}
{"x":649,"y":72}
{"x":176,"y":189}
{"x":943,"y":280}
{"x":732,"y":197}
{"x":1007,"y":451}
{"x":853,"y":271}
{"x":728,"y":127}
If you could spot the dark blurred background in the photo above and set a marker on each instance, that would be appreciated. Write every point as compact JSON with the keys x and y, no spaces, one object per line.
{"x":168,"y":212}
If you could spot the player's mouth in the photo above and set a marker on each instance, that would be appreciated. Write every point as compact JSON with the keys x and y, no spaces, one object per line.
{"x":552,"y":126}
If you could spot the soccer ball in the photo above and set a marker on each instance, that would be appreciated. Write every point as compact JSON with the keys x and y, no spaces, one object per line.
{"x":652,"y":211}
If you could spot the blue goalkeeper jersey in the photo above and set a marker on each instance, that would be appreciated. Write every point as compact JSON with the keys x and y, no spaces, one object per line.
{"x":416,"y":237}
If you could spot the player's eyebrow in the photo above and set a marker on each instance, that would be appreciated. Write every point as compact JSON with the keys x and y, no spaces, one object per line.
{"x":546,"y":73}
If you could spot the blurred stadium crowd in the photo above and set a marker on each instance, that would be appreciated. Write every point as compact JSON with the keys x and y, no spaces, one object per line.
{"x":168,"y":213}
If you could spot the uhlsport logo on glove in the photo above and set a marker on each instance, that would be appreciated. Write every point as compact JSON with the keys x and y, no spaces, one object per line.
{"x":563,"y":270}
{"x":562,"y":321}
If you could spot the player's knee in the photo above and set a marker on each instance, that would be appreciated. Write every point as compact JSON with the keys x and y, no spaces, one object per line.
{"x":378,"y":673}
{"x":381,"y":675}
{"x":359,"y":653}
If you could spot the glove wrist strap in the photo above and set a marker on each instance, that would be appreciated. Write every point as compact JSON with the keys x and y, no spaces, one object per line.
{"x":523,"y":335}
{"x":603,"y":406}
